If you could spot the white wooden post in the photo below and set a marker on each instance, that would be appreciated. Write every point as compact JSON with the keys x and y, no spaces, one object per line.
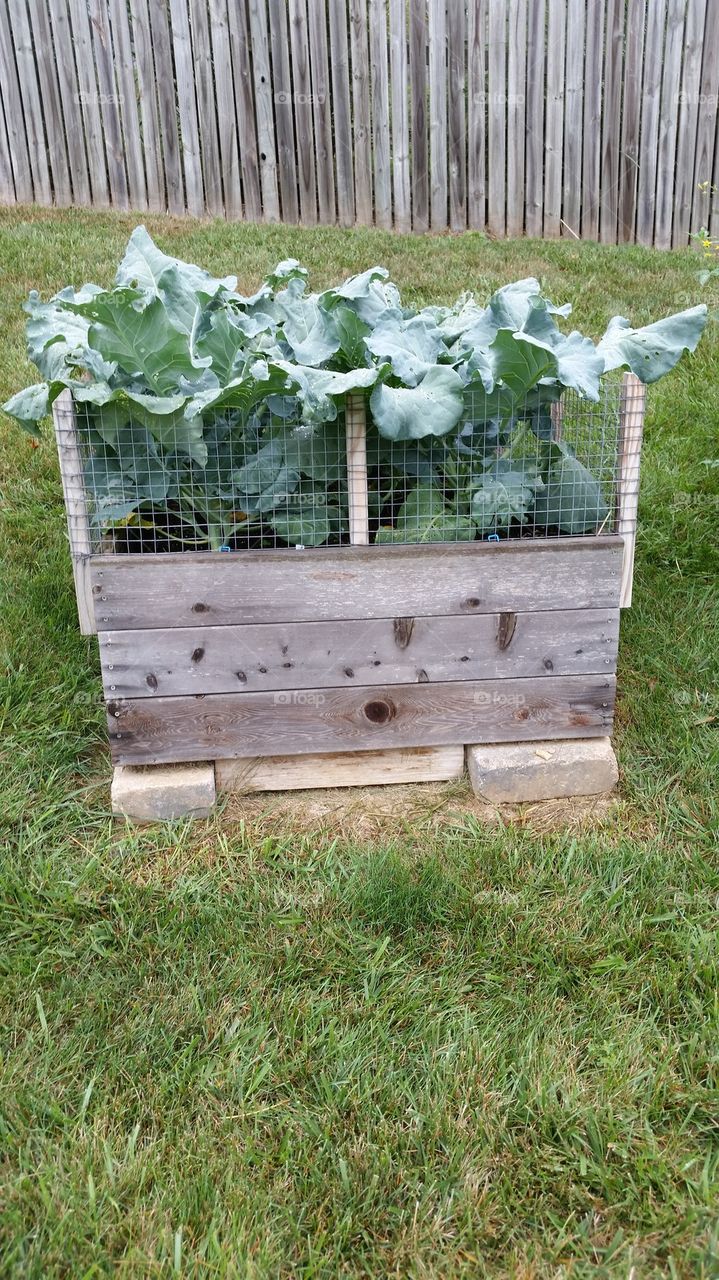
{"x":631,"y":429}
{"x":78,"y":525}
{"x":357,"y":496}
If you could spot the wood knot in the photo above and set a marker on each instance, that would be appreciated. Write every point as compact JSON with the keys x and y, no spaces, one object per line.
{"x":200,"y":607}
{"x":151,"y":681}
{"x":379,"y":712}
{"x":506,"y":625}
{"x":198,"y":654}
{"x":472,"y":602}
{"x":403,"y":628}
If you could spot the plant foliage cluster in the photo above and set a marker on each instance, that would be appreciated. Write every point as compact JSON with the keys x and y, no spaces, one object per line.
{"x":215,"y":415}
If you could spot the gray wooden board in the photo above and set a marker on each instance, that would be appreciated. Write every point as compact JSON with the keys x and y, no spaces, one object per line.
{"x":354,"y":582}
{"x":157,"y":730}
{"x":173,"y":662}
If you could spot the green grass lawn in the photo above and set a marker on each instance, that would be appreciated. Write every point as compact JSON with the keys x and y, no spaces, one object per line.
{"x":260,"y":1048}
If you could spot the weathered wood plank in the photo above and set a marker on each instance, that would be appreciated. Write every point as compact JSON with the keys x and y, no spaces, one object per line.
{"x":62,"y":52}
{"x":688,"y":120}
{"x":282,"y":88}
{"x":147,"y":98}
{"x":78,"y":525}
{"x":611,"y":126}
{"x":30,"y":90}
{"x":129,"y":115}
{"x":630,"y":448}
{"x":206,"y":113}
{"x":418,"y":80}
{"x":380,"y":113}
{"x":322,"y":111}
{"x":157,"y":730}
{"x":535,"y":118}
{"x":171,"y":662}
{"x":476,"y":114}
{"x":342,"y":111}
{"x":361,"y":112}
{"x":253,"y":54}
{"x":554,"y":118}
{"x":399,"y":84}
{"x":48,"y":71}
{"x":355,"y":582}
{"x":573,"y":108}
{"x":224,"y":101}
{"x":516,"y":121}
{"x":437,"y":36}
{"x":108,"y":103}
{"x":649,"y":139}
{"x":631,"y":114}
{"x":241,"y":42}
{"x":356,"y":449}
{"x":12,"y":101}
{"x":592,"y":120}
{"x":341,"y":769}
{"x":304,"y":130}
{"x":668,"y":122}
{"x":497,"y":118}
{"x":708,"y":118}
{"x":457,"y":83}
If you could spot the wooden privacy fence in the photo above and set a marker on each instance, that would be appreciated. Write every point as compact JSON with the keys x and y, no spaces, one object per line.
{"x":590,"y":118}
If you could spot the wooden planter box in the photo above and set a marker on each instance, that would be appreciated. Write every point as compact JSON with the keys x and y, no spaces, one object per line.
{"x":215,"y":656}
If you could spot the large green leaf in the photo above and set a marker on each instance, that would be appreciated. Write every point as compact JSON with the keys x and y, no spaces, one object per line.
{"x":139,"y":336}
{"x":505,"y":492}
{"x":310,"y":524}
{"x":571,"y":499}
{"x":654,"y":350}
{"x":431,"y":408}
{"x":411,"y":346}
{"x":424,"y":517}
{"x":264,"y":481}
{"x":520,"y":365}
{"x":308,"y":328}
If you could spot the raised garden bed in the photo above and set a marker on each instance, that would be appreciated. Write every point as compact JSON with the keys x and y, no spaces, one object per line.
{"x":419,"y":542}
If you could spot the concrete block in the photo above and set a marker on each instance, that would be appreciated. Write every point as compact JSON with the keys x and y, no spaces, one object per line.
{"x":160,"y":792}
{"x":515,"y":772}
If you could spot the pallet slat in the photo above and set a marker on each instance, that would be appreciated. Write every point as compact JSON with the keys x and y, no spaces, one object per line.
{"x":176,"y":661}
{"x":340,"y":769}
{"x":354,"y":582}
{"x":155,"y":730}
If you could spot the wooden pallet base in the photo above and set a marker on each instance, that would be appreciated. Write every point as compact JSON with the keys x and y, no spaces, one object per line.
{"x":341,"y":769}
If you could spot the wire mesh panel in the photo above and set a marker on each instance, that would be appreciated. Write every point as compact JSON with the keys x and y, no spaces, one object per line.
{"x":235,"y":480}
{"x":548,"y":468}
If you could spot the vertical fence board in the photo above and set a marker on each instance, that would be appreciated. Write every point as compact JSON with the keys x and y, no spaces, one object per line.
{"x":592,"y":118}
{"x":47,"y":71}
{"x":631,"y":113}
{"x":127,"y":91}
{"x":497,"y":121}
{"x":649,"y":139}
{"x":418,"y":78}
{"x":322,"y":111}
{"x":342,"y":112}
{"x":437,"y":36}
{"x":282,"y":85}
{"x":516,"y":119}
{"x":592,"y":121}
{"x":361,"y":112}
{"x":707,"y":124}
{"x":380,"y":113}
{"x":688,"y":120}
{"x":206,"y":106}
{"x":304,"y":132}
{"x":668,"y":122}
{"x":30,"y":97}
{"x":612,"y":105}
{"x":399,"y":79}
{"x":151,"y":138}
{"x":225,"y":106}
{"x":573,"y":109}
{"x":554,"y":121}
{"x":534,"y":196}
{"x":109,"y":103}
{"x":253,"y":87}
{"x":456,"y":44}
{"x":476,"y":114}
